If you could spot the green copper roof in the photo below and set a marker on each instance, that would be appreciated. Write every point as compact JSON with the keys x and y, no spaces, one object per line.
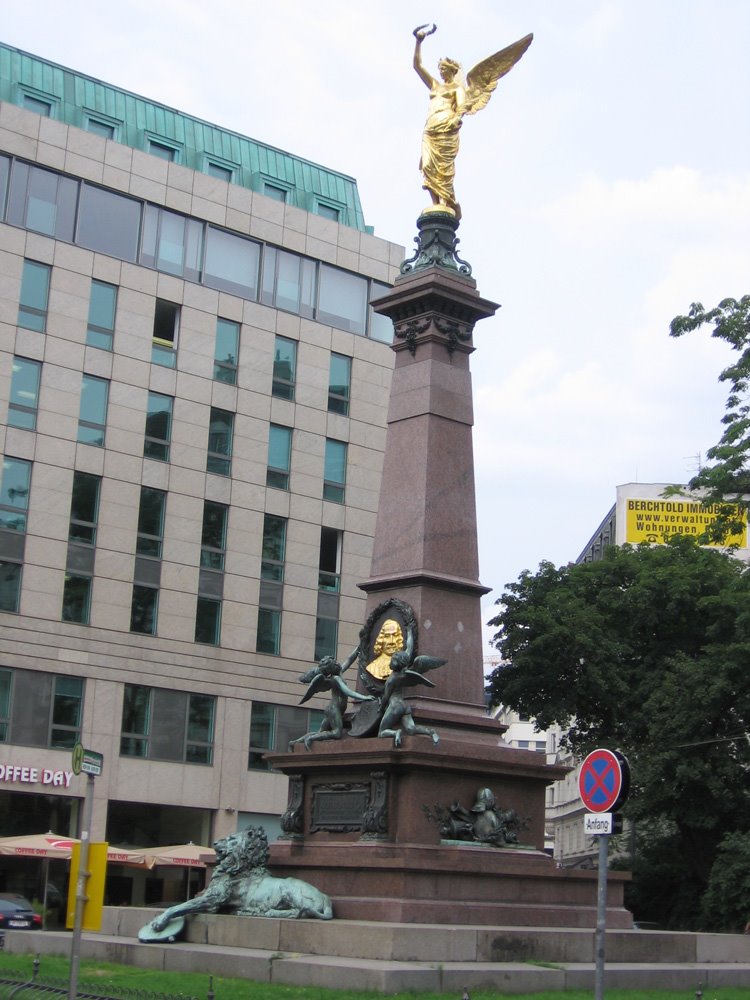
{"x":85,"y":102}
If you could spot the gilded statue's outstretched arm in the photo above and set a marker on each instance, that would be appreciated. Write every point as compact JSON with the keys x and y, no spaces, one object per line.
{"x":420,"y":34}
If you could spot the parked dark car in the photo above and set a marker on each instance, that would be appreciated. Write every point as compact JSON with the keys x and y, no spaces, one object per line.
{"x":16,"y":913}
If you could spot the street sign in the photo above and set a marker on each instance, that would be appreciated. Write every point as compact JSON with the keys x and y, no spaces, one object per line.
{"x":77,"y":758}
{"x":91,"y":763}
{"x":604,"y":781}
{"x":600,"y":824}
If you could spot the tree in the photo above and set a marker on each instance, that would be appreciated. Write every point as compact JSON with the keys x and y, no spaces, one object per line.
{"x":727,"y":476}
{"x":646,"y":651}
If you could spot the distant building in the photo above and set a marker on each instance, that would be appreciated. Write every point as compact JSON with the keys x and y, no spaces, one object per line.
{"x":193,"y":389}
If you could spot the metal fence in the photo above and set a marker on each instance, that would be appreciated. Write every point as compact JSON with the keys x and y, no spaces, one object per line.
{"x":16,"y":985}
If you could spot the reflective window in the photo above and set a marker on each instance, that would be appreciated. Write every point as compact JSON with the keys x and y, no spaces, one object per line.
{"x":84,"y":508}
{"x":158,"y":724}
{"x":268,"y":638}
{"x":100,"y":127}
{"x":211,"y":578}
{"x":151,"y":522}
{"x":24,"y":393}
{"x":67,"y":709}
{"x":284,"y":367}
{"x":158,"y":427}
{"x":273,"y":727}
{"x":166,"y":325}
{"x":92,"y":420}
{"x":342,"y":299}
{"x":288,"y":281}
{"x":214,"y":535}
{"x":172,"y":243}
{"x":279,"y":456}
{"x":6,"y":677}
{"x":14,"y":494}
{"x":143,"y":608}
{"x":162,"y":150}
{"x":220,"y":172}
{"x":275,"y":192}
{"x":32,"y":309}
{"x":327,"y":618}
{"x":220,"y":430}
{"x":327,"y":212}
{"x":101,"y":323}
{"x":339,"y":382}
{"x":43,"y":201}
{"x":36,"y":104}
{"x":381,"y":327}
{"x":232,"y":263}
{"x":226,"y":351}
{"x":108,"y":222}
{"x":334,"y":476}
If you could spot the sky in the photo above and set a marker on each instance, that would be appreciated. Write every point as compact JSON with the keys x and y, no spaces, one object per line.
{"x":605,"y":187}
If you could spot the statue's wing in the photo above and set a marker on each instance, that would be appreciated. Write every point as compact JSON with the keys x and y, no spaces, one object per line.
{"x":412,"y":677}
{"x":309,"y":675}
{"x":318,"y":685}
{"x":422,"y":664}
{"x":482,"y":79}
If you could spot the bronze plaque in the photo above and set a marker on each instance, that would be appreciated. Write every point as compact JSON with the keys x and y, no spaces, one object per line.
{"x":339,"y":808}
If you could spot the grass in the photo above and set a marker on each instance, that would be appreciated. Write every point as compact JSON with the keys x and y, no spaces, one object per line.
{"x":101,"y":975}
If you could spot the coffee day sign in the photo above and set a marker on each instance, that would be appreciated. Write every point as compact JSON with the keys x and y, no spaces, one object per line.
{"x":20,"y":774}
{"x":654,"y":521}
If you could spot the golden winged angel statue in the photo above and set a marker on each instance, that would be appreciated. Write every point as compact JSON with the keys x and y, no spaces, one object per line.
{"x":451,"y":98}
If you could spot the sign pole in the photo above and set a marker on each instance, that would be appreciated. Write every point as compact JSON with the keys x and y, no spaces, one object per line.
{"x":83,"y":874}
{"x":601,"y":917}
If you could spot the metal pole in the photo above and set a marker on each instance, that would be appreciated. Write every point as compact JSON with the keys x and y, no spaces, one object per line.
{"x":83,"y":874}
{"x":601,"y":917}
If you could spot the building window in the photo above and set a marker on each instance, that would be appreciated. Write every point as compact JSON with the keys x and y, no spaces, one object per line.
{"x":327,"y":211}
{"x":334,"y":475}
{"x":158,"y":427}
{"x":271,"y":585}
{"x":284,"y":367}
{"x":220,"y":431}
{"x":273,"y":727}
{"x":79,"y":570}
{"x":172,"y":243}
{"x":38,"y":105}
{"x":232,"y":263}
{"x":166,"y":325}
{"x":380,"y":327}
{"x":289,"y":282}
{"x":158,"y":724}
{"x":92,"y":419}
{"x":39,"y":709}
{"x":342,"y":299}
{"x":108,"y":223}
{"x":226,"y":351}
{"x":147,"y":571}
{"x":32,"y":309}
{"x":274,"y":191}
{"x":100,"y":127}
{"x":14,"y":504}
{"x":164,"y":150}
{"x":43,"y":201}
{"x":211,"y":578}
{"x":143,"y":609}
{"x":279,"y":456}
{"x":24,"y":393}
{"x":339,"y":384}
{"x":102,"y":306}
{"x":219,"y":171}
{"x":329,"y":578}
{"x":151,"y":522}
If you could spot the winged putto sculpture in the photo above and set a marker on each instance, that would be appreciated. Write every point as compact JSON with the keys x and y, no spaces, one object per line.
{"x":451,"y":99}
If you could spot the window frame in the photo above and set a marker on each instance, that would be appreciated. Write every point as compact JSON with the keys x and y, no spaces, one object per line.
{"x":283,"y":387}
{"x":225,"y":369}
{"x":17,"y":390}
{"x":277,"y":476}
{"x":101,"y":335}
{"x":151,"y":443}
{"x":86,"y":423}
{"x":33,"y":310}
{"x":334,"y":490}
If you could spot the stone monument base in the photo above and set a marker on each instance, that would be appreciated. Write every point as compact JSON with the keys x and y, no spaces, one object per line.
{"x":361,"y":827}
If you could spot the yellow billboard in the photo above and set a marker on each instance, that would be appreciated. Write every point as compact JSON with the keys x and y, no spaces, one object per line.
{"x":655,"y":520}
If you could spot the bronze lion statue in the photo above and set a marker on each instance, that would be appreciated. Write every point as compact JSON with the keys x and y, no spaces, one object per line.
{"x":242,"y":884}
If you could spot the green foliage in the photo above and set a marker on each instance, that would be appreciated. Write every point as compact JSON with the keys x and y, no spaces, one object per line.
{"x":728,"y":473}
{"x":726,"y":904}
{"x":647,"y":651}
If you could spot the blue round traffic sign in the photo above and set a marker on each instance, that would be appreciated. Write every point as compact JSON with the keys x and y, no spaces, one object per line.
{"x":604,"y":781}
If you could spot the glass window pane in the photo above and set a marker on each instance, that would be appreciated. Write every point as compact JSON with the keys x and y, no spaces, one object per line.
{"x":93,"y":414}
{"x":326,"y":638}
{"x":275,"y":192}
{"x":220,"y":430}
{"x":226,"y":351}
{"x":43,"y":201}
{"x":143,"y":610}
{"x":342,"y":299}
{"x":284,"y":367}
{"x":214,"y":531}
{"x":151,"y":522}
{"x":32,"y":311}
{"x":162,"y":151}
{"x":381,"y":327}
{"x":207,"y":621}
{"x":269,"y":631}
{"x":24,"y":393}
{"x":288,"y":288}
{"x":221,"y":173}
{"x":108,"y":222}
{"x":232,"y":263}
{"x":338,"y":384}
{"x":335,"y":462}
{"x":101,"y":323}
{"x":279,"y":451}
{"x":158,"y":426}
{"x":76,"y":603}
{"x":98,"y":127}
{"x":14,"y":494}
{"x":10,"y":586}
{"x":84,"y":508}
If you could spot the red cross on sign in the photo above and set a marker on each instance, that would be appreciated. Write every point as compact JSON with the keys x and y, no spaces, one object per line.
{"x":604,"y":781}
